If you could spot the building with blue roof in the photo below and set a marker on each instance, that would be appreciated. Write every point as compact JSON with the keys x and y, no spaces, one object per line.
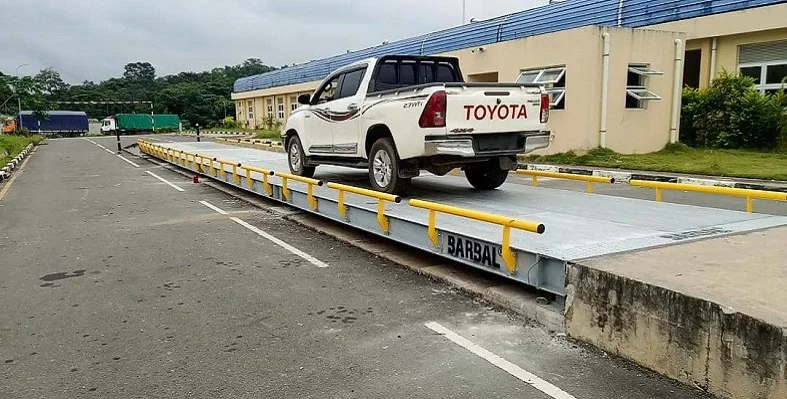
{"x":568,"y":40}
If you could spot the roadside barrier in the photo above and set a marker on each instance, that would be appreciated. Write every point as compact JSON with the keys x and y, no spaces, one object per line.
{"x":198,"y":162}
{"x":507,"y":223}
{"x":381,"y":198}
{"x":750,"y":195}
{"x":556,"y":175}
{"x":310,"y":183}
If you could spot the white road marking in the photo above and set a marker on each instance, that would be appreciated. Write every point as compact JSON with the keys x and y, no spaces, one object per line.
{"x":499,"y":362}
{"x":109,"y":151}
{"x":288,"y":247}
{"x":124,"y":158}
{"x":214,"y":207}
{"x":295,"y":251}
{"x":165,"y":181}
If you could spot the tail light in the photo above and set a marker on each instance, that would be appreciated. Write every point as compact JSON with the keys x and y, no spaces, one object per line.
{"x":434,"y":111}
{"x":544,"y":107}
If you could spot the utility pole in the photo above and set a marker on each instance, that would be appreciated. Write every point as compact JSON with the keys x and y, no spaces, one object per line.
{"x":19,"y":98}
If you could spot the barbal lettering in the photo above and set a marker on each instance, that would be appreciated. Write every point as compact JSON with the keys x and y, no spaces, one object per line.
{"x":485,"y":255}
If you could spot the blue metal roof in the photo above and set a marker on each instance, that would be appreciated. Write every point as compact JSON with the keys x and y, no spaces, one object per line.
{"x":551,"y":18}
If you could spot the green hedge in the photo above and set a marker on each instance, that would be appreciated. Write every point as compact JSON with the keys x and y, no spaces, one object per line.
{"x":11,"y":145}
{"x":731,"y":113}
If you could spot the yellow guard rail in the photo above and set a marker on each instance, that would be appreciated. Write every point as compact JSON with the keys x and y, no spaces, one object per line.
{"x":736,"y":192}
{"x":265,"y":173}
{"x":507,"y":223}
{"x":589,"y":179}
{"x":381,"y":198}
{"x":310,"y":183}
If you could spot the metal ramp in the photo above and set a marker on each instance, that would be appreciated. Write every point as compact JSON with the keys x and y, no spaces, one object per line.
{"x":577,"y":225}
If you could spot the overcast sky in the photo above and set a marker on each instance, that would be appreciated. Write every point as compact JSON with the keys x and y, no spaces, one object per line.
{"x":94,"y":39}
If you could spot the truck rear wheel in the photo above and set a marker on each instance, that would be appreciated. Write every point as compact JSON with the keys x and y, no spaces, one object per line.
{"x":384,"y":168}
{"x":296,"y":158}
{"x":487,"y":176}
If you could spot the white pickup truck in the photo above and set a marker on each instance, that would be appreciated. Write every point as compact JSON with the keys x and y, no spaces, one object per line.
{"x":398,"y":115}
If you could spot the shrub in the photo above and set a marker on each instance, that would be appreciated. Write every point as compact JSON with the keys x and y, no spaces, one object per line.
{"x":229,"y":123}
{"x":731,"y":113}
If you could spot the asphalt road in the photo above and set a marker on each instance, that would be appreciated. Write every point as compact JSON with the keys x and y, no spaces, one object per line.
{"x":116,"y":284}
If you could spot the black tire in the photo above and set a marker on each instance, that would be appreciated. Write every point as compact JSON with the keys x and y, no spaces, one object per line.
{"x":295,"y":148}
{"x":380,"y":174}
{"x":488,"y":176}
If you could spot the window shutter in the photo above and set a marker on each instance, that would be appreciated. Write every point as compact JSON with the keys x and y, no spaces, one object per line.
{"x":762,"y":52}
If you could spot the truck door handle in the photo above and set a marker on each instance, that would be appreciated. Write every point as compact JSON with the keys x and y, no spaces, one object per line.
{"x":352,"y":107}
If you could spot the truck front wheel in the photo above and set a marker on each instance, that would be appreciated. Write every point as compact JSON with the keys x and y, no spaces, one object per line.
{"x":384,"y":165}
{"x":296,"y":158}
{"x":487,"y":176}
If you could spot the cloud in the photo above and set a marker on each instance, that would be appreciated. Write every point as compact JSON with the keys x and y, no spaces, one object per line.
{"x":94,"y":39}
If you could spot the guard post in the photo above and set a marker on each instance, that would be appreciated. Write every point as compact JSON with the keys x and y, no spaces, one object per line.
{"x":197,"y":132}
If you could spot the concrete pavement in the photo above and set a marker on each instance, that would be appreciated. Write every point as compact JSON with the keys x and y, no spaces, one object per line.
{"x":116,"y":284}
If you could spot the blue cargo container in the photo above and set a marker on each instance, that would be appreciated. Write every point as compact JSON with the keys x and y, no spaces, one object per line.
{"x":60,"y":123}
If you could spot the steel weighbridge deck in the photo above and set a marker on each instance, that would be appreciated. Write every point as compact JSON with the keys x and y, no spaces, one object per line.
{"x":577,"y":225}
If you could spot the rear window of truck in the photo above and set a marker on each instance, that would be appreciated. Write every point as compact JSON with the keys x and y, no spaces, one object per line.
{"x":395,"y":74}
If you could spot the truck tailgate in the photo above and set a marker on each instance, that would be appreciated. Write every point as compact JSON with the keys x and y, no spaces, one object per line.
{"x":480,"y":109}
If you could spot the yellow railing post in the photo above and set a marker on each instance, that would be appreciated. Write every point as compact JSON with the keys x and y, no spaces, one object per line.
{"x":749,"y":204}
{"x":249,"y":182}
{"x":235,"y":176}
{"x":535,"y":181}
{"x":432,"y":233}
{"x":508,"y":255}
{"x":658,"y":194}
{"x":201,"y":163}
{"x":221,"y":169}
{"x":590,"y":187}
{"x":266,"y":185}
{"x":310,"y":195}
{"x":284,"y":190}
{"x":212,"y":170}
{"x":381,"y":218}
{"x":342,"y":207}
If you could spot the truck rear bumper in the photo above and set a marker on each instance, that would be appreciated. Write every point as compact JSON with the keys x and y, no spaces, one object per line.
{"x":486,"y":144}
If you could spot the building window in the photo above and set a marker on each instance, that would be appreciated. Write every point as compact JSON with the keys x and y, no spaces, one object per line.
{"x":293,"y":103}
{"x":637,"y":93}
{"x":250,"y":104}
{"x":769,"y":77}
{"x":766,"y":63}
{"x":280,"y":103}
{"x":270,"y":109}
{"x":554,"y":81}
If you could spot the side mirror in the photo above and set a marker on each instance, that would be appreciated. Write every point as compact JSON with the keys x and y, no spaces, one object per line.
{"x":304,"y":99}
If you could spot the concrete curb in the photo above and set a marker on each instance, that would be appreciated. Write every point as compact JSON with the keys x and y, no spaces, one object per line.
{"x":689,"y":339}
{"x":625,"y":177}
{"x":9,"y":168}
{"x":221,"y":133}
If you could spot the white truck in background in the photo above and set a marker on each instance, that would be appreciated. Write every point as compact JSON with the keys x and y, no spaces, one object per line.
{"x":398,"y":115}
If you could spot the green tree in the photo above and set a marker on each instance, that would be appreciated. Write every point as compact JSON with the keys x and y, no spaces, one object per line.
{"x":50,"y":82}
{"x":140,"y":71}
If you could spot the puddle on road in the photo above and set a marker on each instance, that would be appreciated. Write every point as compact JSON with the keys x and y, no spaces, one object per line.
{"x":63,"y":275}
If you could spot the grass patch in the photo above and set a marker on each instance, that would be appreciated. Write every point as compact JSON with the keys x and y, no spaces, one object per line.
{"x":268,"y":134}
{"x":257,"y":133}
{"x":11,"y":146}
{"x":679,"y":158}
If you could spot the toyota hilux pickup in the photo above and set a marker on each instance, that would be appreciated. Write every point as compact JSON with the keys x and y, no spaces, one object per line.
{"x":399,"y":115}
